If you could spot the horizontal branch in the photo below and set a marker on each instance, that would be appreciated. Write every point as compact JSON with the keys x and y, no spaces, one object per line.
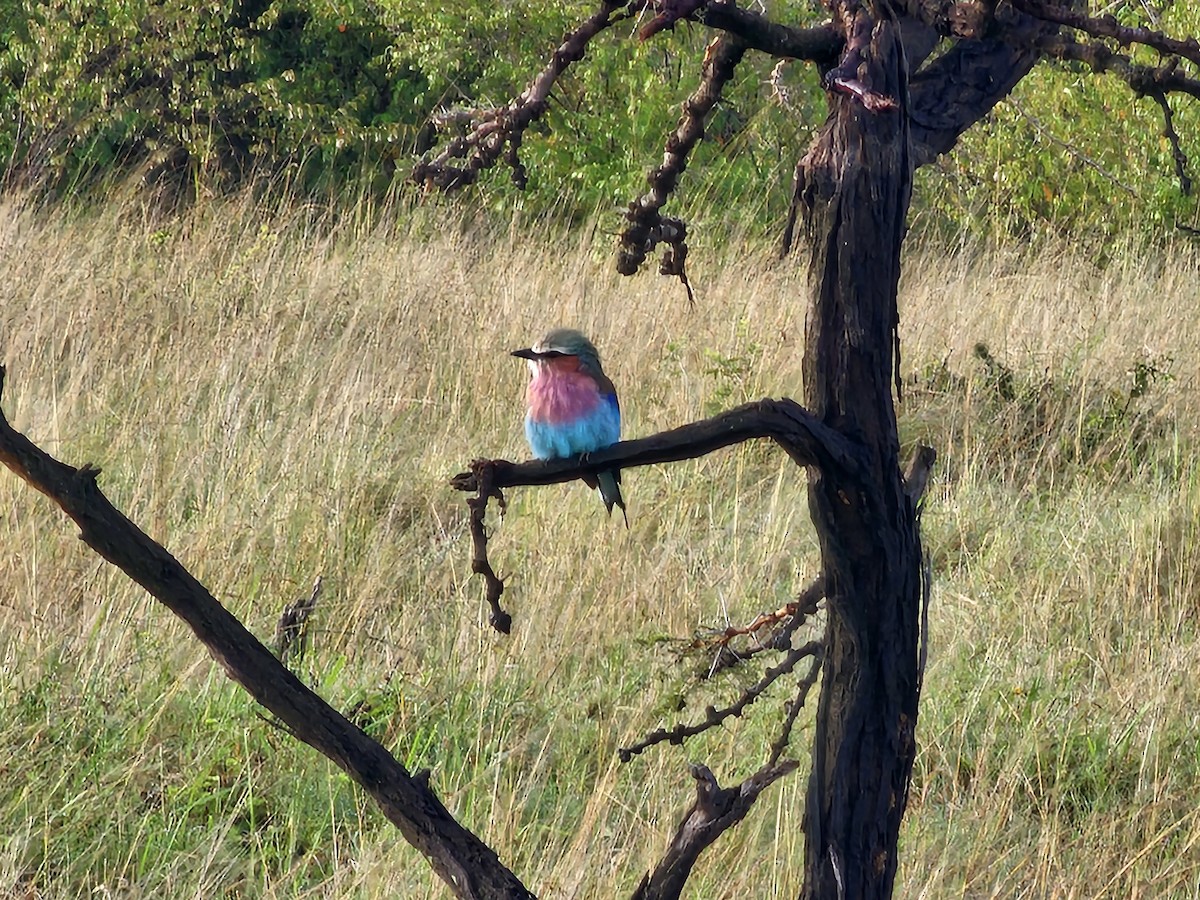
{"x":804,"y":437}
{"x":820,"y":44}
{"x":1107,"y":26}
{"x":1144,"y":80}
{"x":462,"y":860}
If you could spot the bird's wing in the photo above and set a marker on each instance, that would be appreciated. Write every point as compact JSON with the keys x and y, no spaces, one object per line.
{"x":607,"y":389}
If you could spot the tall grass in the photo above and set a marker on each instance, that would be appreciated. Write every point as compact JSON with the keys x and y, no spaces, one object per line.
{"x":276,"y":394}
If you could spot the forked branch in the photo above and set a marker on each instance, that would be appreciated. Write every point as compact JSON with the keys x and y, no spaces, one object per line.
{"x":716,"y":810}
{"x":714,"y":716}
{"x":504,"y":126}
{"x":470,"y":867}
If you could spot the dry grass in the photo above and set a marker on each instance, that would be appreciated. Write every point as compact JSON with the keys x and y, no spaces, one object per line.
{"x":276,"y":396}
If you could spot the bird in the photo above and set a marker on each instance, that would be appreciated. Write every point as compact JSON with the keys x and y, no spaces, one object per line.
{"x":572,"y":406}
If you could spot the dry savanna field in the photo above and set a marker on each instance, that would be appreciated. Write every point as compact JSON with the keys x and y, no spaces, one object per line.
{"x":276,"y":394}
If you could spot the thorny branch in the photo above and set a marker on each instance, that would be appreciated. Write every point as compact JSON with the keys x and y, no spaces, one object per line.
{"x":647,"y":227}
{"x":1069,"y":148}
{"x":504,"y":127}
{"x":1145,"y":81}
{"x":714,"y":716}
{"x":786,"y":621}
{"x":793,"y":709}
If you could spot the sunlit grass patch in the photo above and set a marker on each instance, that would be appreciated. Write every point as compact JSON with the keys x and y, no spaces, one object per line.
{"x":276,"y":394}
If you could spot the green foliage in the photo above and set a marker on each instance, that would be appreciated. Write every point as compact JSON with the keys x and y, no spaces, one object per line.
{"x":1064,"y":419}
{"x":1071,"y":152}
{"x":335,"y":96}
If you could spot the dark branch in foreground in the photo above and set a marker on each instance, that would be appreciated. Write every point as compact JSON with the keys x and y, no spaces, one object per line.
{"x":716,"y":810}
{"x":470,"y":868}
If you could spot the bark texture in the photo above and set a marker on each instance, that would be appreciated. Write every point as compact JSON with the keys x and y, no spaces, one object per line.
{"x":854,"y":191}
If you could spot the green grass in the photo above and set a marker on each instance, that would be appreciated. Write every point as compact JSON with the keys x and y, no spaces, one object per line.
{"x":275,"y":395}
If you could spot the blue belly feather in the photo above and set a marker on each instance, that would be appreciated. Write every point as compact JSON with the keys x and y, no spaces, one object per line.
{"x":594,"y":431}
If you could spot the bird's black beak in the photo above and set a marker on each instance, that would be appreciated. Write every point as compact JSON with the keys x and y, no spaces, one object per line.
{"x":527,"y":353}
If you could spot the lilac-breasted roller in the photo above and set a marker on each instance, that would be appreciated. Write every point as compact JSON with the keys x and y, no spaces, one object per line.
{"x":572,"y":406}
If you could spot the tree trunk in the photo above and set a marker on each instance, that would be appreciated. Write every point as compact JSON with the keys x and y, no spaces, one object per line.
{"x":854,"y":189}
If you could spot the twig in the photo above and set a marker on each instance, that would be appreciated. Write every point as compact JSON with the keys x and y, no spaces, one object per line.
{"x":794,"y":706}
{"x":792,"y":615}
{"x":291,"y":631}
{"x":713,"y":716}
{"x":1177,"y":154}
{"x":1069,"y":148}
{"x":493,"y":584}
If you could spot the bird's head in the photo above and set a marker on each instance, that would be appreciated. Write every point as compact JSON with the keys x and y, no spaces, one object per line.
{"x":562,"y":343}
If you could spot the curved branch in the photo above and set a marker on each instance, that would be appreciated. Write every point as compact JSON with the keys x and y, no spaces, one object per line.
{"x":470,"y":867}
{"x":804,"y":437}
{"x":820,"y":44}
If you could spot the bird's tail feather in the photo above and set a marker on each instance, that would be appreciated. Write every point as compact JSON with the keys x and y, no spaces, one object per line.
{"x":609,"y":485}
